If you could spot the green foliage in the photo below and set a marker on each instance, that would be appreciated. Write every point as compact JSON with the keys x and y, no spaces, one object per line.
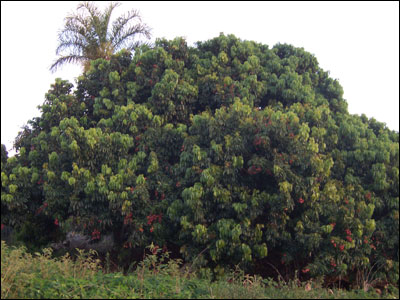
{"x":39,"y":276}
{"x":230,"y":151}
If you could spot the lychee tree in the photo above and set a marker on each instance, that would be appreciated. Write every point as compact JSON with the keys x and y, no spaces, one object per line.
{"x":230,"y":151}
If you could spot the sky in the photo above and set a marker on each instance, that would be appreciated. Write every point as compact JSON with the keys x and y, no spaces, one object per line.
{"x":357,"y":42}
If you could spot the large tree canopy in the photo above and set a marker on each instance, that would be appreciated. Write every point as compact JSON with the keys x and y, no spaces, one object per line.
{"x":229,"y":151}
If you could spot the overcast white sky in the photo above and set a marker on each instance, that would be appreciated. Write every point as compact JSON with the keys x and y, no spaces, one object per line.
{"x":358,"y":42}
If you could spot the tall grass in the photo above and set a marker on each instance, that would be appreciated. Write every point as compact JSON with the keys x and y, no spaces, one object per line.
{"x":24,"y":275}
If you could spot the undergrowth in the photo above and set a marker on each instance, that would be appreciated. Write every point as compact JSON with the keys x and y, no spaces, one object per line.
{"x":24,"y":275}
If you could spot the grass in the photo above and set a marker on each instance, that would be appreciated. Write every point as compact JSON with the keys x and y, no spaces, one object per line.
{"x":24,"y":275}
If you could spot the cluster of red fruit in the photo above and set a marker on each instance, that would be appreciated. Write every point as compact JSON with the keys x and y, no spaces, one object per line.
{"x":257,"y":141}
{"x":333,"y":264}
{"x":128,"y":219}
{"x":95,"y":235}
{"x":254,"y":170}
{"x":348,"y":237}
{"x":154,"y":251}
{"x":156,"y":195}
{"x":372,"y":245}
{"x":341,"y":247}
{"x":152,"y":218}
{"x":40,"y":209}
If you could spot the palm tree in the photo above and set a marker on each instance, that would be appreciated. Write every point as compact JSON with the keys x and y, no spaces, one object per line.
{"x":87,"y":36}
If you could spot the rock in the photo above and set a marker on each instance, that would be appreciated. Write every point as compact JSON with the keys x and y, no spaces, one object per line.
{"x":77,"y":240}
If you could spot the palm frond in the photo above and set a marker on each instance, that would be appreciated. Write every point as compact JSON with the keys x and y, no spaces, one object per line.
{"x":89,"y":6}
{"x":67,"y":59}
{"x":126,"y":36}
{"x":119,"y":33}
{"x":77,"y":23}
{"x":77,"y":19}
{"x":76,"y":45}
{"x":107,"y":15}
{"x":75,"y":34}
{"x":94,"y":21}
{"x":121,"y":21}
